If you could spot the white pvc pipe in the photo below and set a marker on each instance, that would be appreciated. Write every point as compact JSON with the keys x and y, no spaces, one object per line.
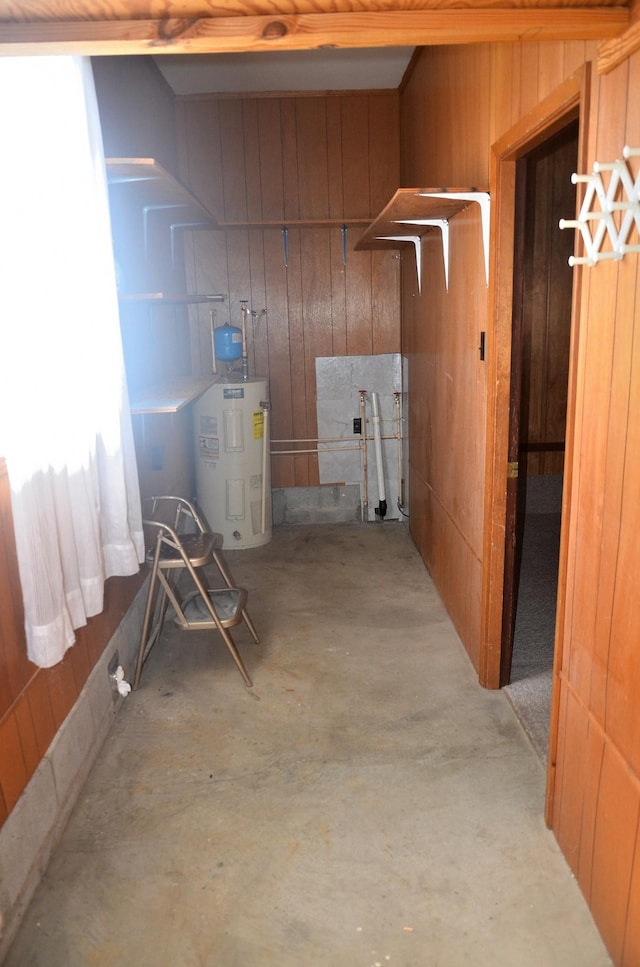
{"x":212,"y":325}
{"x":363,"y":445}
{"x":396,"y":397}
{"x":265,"y":457}
{"x":378,"y":447}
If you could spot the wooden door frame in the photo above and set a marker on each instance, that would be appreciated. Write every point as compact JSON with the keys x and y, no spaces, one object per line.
{"x":513,"y":487}
{"x":567,"y":102}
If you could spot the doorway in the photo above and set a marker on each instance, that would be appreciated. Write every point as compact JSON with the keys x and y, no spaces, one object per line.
{"x":541,"y":327}
{"x":568,"y":103}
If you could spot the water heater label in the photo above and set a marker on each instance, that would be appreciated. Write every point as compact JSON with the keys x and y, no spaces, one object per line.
{"x":258,"y":424}
{"x":233,"y":392}
{"x":209,"y":448}
{"x":208,"y":425}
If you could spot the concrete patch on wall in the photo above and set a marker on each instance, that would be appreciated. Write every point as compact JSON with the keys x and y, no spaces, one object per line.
{"x":316,"y":505}
{"x":339,"y":380}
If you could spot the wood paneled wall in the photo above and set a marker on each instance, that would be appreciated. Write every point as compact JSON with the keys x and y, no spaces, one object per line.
{"x":445,"y":120}
{"x":595,"y":802}
{"x":136,"y":110}
{"x":310,"y":164}
{"x":546,"y":316}
{"x":449,"y":120}
{"x":34,"y":702}
{"x":594,"y":779}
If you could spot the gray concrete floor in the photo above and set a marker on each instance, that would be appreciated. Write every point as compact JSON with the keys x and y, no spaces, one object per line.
{"x":366,"y":803}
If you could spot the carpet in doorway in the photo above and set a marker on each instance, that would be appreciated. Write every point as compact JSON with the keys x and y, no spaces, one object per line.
{"x":530,"y":689}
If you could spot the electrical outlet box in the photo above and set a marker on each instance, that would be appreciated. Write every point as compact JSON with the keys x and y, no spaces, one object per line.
{"x":357,"y":425}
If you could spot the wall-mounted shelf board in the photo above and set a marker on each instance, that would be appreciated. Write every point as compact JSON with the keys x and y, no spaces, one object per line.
{"x":412,"y":212}
{"x":169,"y":397}
{"x":409,"y":204}
{"x":163,"y":298}
{"x":155,"y":188}
{"x":296,"y":223}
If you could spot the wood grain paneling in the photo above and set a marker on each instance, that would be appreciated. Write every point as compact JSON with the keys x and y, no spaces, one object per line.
{"x":551,"y":68}
{"x":593,"y":417}
{"x":358,"y":304}
{"x":631,"y":946}
{"x":595,"y":799}
{"x":621,"y":507}
{"x":13,"y":651}
{"x":335,"y":159}
{"x":568,"y":822}
{"x":141,"y":28}
{"x":339,"y":294}
{"x":614,"y":855}
{"x":325,"y":160}
{"x":446,"y":378}
{"x":384,"y":134}
{"x":312,"y":155}
{"x":270,"y":125}
{"x":13,"y":766}
{"x":41,"y":712}
{"x":232,"y":175}
{"x":385,"y":277}
{"x":16,"y":668}
{"x":136,"y":110}
{"x":621,"y":521}
{"x":297,"y":372}
{"x":253,"y":168}
{"x":26,"y":730}
{"x":280,"y":353}
{"x":354,"y":118}
{"x":547,"y":304}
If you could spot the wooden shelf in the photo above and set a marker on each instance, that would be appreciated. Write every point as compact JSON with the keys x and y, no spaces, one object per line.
{"x":296,"y":223}
{"x":155,"y":188}
{"x":169,"y":397}
{"x":412,"y":212}
{"x":152,"y":188}
{"x":163,"y":298}
{"x":410,"y":205}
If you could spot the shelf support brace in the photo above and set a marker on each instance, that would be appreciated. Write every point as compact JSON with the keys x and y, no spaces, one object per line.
{"x":145,"y":219}
{"x":442,"y":224}
{"x":182,"y":226}
{"x":484,"y":200}
{"x":417,"y":245}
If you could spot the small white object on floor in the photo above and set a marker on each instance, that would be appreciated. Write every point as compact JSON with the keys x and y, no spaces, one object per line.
{"x":123,"y":687}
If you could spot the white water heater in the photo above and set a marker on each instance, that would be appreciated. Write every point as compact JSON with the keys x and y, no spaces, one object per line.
{"x":233,"y":463}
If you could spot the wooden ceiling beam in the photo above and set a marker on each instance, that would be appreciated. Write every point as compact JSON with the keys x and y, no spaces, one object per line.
{"x":311,"y":31}
{"x":613,"y":52}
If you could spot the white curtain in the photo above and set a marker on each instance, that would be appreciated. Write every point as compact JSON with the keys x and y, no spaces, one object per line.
{"x":65,"y":427}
